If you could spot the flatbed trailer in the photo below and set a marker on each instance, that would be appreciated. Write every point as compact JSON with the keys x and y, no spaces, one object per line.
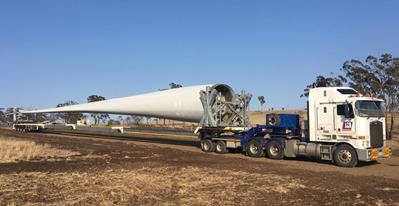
{"x":29,"y":127}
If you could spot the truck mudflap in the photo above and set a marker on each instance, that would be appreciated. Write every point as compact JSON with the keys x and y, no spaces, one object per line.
{"x":368,"y":155}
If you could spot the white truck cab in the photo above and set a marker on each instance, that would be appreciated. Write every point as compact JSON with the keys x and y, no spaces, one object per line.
{"x":341,"y":115}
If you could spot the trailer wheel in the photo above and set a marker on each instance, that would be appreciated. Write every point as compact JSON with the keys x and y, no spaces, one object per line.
{"x":275,"y":150}
{"x":345,"y":156}
{"x":255,"y":149}
{"x":207,"y":145}
{"x":221,"y":147}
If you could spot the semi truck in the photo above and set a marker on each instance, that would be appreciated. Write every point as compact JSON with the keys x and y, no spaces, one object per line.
{"x":342,"y":126}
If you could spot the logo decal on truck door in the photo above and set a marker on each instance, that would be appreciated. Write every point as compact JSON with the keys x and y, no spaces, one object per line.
{"x":347,"y":125}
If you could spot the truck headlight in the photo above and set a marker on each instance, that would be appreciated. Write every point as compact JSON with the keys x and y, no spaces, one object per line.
{"x":374,"y":154}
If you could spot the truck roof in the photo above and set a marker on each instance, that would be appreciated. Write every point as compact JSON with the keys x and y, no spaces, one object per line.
{"x":338,"y":94}
{"x":341,"y":90}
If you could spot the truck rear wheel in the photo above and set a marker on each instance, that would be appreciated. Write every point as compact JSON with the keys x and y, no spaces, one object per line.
{"x":207,"y":145}
{"x":275,"y":150}
{"x":255,"y":149}
{"x":221,"y":147}
{"x":345,"y":156}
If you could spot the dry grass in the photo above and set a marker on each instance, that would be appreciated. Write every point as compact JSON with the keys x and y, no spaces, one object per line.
{"x":14,"y":150}
{"x":148,"y":186}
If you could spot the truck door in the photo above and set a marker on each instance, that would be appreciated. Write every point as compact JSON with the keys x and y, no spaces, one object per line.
{"x":325,"y":118}
{"x":344,"y":121}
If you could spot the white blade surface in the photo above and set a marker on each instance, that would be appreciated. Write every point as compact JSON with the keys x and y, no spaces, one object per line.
{"x":181,"y":104}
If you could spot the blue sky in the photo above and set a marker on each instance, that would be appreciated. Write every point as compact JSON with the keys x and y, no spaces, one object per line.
{"x":53,"y":51}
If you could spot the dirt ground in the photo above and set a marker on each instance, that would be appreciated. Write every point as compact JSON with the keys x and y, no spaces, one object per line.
{"x":145,"y":171}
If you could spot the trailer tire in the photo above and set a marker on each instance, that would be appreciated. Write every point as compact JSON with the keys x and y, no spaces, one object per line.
{"x":221,"y":147}
{"x":207,"y":145}
{"x":254,"y":149}
{"x":275,"y":150}
{"x":345,"y":156}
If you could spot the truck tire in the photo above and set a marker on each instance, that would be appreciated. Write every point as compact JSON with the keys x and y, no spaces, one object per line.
{"x":255,"y":149}
{"x":207,"y":145}
{"x":275,"y":150}
{"x":221,"y":147}
{"x":345,"y":156}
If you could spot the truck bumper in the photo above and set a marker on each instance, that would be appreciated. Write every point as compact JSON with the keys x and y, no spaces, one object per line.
{"x":368,"y":155}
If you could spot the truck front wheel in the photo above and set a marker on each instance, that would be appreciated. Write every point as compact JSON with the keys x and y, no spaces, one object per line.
{"x":207,"y":145}
{"x":255,"y":149}
{"x":345,"y":156}
{"x":274,"y":150}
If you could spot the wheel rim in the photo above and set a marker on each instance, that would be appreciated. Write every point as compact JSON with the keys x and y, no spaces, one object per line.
{"x":344,"y":156}
{"x":206,"y":146}
{"x":218,"y":147}
{"x":254,"y":149}
{"x":274,"y":150}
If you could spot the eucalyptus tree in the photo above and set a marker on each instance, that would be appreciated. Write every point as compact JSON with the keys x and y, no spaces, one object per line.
{"x":98,"y":117}
{"x":377,"y":76}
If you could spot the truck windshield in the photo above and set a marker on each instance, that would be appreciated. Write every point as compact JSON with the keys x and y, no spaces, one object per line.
{"x":368,"y":108}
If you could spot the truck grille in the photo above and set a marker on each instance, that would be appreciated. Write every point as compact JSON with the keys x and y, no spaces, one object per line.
{"x":376,"y":134}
